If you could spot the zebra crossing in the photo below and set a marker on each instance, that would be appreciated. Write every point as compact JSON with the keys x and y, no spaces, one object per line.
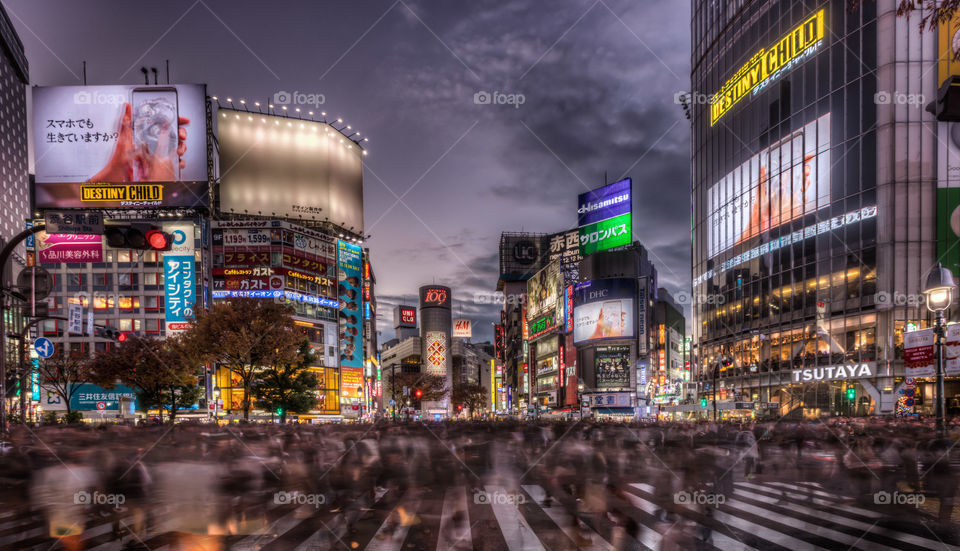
{"x":756,"y":516}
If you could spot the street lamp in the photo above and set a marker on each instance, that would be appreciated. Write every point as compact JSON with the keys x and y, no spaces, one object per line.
{"x":216,"y":404}
{"x":939,"y":293}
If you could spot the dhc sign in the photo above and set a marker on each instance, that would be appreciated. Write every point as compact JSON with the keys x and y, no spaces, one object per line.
{"x":834,"y":372}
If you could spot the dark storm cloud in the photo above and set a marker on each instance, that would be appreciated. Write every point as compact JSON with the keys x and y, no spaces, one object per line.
{"x":598,"y":80}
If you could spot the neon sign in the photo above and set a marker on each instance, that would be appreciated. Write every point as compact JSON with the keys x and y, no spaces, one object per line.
{"x":768,"y":64}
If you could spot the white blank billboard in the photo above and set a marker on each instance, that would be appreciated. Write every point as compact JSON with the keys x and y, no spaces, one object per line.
{"x":290,"y":168}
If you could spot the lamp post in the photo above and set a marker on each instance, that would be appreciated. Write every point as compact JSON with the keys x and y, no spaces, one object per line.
{"x":216,"y":405}
{"x":938,"y":290}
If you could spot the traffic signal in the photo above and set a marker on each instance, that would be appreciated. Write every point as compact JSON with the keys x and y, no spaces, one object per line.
{"x":279,"y":411}
{"x":851,"y":393}
{"x":138,"y":236}
{"x":418,"y":393}
{"x":111,"y":333}
{"x":703,"y":402}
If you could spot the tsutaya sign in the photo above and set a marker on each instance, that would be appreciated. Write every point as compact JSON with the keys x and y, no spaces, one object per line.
{"x":834,"y":372}
{"x":769,"y":64}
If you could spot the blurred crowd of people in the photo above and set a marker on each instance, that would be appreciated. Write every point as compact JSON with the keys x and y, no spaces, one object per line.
{"x":203,"y":483}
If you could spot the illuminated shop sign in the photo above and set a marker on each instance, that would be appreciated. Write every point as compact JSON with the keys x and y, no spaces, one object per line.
{"x":247,"y":294}
{"x":408,"y":316}
{"x":769,"y":64}
{"x":435,"y":296}
{"x":834,"y":372}
{"x":796,"y":237}
{"x":543,"y":325}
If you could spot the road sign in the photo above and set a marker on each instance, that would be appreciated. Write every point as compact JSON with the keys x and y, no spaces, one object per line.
{"x":73,"y":222}
{"x":101,"y":406}
{"x":44,"y":347}
{"x":393,"y":402}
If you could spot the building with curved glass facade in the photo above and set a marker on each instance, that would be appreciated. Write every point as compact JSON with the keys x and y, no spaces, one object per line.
{"x":814,"y":195}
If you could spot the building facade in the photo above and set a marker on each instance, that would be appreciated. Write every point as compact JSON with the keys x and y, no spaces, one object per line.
{"x":814,"y":189}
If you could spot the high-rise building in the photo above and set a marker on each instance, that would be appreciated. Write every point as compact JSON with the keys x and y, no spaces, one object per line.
{"x":815,"y":201}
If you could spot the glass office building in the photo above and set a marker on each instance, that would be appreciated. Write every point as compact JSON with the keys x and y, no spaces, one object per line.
{"x":814,"y":188}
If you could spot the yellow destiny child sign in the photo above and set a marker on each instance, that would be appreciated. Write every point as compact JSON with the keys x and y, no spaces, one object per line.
{"x":766,"y":63}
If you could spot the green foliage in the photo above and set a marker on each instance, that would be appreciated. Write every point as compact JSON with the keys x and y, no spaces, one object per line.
{"x":49,"y":418}
{"x":288,"y":388}
{"x":73,"y":417}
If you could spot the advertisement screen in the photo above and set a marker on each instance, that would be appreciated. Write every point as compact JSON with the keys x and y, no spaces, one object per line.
{"x":351,"y":318}
{"x":612,"y":365}
{"x":782,"y":183}
{"x":436,"y":353}
{"x":289,"y":168}
{"x":604,"y":309}
{"x":545,"y":291}
{"x":120,"y":146}
{"x":604,"y":218}
{"x":351,"y":382}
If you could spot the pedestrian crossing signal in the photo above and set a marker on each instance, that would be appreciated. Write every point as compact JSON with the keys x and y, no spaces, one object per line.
{"x":851,"y":393}
{"x":703,"y":402}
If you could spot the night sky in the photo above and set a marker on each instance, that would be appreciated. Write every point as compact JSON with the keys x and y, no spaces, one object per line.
{"x":444,"y":175}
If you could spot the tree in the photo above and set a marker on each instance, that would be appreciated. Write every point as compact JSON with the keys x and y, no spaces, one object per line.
{"x":245,"y":336}
{"x":62,"y":375}
{"x":471,"y":395}
{"x":163,"y":372}
{"x":290,"y":387}
{"x":935,"y":12}
{"x":434,"y":387}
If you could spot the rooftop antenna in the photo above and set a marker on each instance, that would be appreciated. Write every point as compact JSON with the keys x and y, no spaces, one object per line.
{"x":154,"y":71}
{"x":84,"y":72}
{"x":146,"y":76}
{"x":168,"y":71}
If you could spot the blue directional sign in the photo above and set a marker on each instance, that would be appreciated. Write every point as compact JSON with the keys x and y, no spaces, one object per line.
{"x":44,"y":347}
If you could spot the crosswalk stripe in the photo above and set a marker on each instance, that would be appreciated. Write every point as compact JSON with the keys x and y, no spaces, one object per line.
{"x":809,"y":498}
{"x":565,"y":521}
{"x":772,"y":536}
{"x":455,"y":534}
{"x":837,"y":519}
{"x":516,"y":530}
{"x":720,"y":540}
{"x":853,"y":541}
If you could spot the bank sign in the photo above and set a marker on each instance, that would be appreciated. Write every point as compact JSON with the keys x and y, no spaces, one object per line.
{"x":769,"y":64}
{"x":604,"y":217}
{"x":835,"y":372}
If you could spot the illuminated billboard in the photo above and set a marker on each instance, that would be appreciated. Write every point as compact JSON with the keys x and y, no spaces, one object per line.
{"x":785,"y":181}
{"x":612,"y":367}
{"x":435,"y":297}
{"x":604,"y":309}
{"x":179,"y":277}
{"x":289,"y":168}
{"x":769,"y":64}
{"x":436,"y":353}
{"x":405,"y":316}
{"x":604,"y":217}
{"x":545,"y":291}
{"x":120,"y":146}
{"x":462,"y":328}
{"x":351,"y":382}
{"x":348,"y":290}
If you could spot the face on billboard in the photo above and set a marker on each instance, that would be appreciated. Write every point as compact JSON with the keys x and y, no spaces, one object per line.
{"x":289,"y":167}
{"x":604,"y":309}
{"x":784,"y":182}
{"x":544,"y":291}
{"x":120,"y":146}
{"x":351,"y":317}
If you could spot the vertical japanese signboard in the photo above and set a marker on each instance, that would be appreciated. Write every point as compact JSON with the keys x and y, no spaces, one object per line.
{"x":349,"y":291}
{"x":179,"y":277}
